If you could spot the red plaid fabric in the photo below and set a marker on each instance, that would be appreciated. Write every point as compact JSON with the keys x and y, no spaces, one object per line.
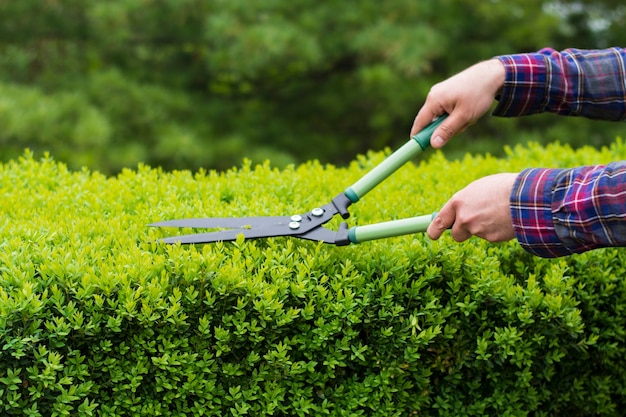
{"x":558,"y":212}
{"x":589,"y":83}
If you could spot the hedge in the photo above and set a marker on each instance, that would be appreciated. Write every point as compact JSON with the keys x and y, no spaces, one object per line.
{"x":98,"y":319}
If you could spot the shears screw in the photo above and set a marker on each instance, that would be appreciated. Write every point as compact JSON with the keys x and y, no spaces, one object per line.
{"x":317,"y":212}
{"x":296,"y":218}
{"x":294,"y":225}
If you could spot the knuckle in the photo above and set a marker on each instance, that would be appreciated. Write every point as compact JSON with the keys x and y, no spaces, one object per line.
{"x":447,"y":129}
{"x":440,"y":223}
{"x":460,"y":235}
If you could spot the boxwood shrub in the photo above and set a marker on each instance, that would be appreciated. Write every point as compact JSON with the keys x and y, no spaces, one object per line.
{"x":97,"y":319}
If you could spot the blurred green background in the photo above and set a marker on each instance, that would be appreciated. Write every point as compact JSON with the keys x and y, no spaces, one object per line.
{"x":193,"y":83}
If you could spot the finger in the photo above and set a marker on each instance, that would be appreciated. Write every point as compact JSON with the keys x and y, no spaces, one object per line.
{"x":426,"y":115}
{"x":442,"y":221}
{"x":460,"y":233}
{"x":454,"y":124}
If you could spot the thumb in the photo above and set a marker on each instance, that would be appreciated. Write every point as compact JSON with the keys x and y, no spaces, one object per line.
{"x":447,"y":129}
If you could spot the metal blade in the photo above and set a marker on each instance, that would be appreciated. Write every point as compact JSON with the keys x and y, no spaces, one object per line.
{"x":319,"y":234}
{"x":304,"y":226}
{"x":224,"y":222}
{"x":224,"y":236}
{"x":231,"y":234}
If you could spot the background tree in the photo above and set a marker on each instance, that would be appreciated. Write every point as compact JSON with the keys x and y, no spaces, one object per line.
{"x":190,"y":83}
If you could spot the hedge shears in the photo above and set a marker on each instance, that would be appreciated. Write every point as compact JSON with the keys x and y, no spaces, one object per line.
{"x":310,"y":225}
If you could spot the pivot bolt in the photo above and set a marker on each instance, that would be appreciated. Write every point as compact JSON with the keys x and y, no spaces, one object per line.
{"x":294,"y":225}
{"x":317,"y":212}
{"x":296,"y":218}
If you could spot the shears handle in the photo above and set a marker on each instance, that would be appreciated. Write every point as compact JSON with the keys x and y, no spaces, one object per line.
{"x":393,"y":162}
{"x":411,"y":225}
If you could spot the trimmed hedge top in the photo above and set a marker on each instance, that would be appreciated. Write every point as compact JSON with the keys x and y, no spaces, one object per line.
{"x":98,"y":319}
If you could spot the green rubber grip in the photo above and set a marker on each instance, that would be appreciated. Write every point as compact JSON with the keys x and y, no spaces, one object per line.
{"x":393,"y":162}
{"x":419,"y":224}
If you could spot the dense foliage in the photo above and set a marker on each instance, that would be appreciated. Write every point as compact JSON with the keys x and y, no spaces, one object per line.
{"x":191,"y":83}
{"x":97,"y":319}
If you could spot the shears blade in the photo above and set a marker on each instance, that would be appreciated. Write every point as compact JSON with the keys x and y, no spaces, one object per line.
{"x":319,"y":234}
{"x":224,"y":222}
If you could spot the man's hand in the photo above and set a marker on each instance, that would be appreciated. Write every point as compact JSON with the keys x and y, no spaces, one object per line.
{"x":465,"y":97}
{"x":481,"y":209}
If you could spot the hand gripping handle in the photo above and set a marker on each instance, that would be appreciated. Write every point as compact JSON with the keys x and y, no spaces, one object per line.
{"x":393,"y":162}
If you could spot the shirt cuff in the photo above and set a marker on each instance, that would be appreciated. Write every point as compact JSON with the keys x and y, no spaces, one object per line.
{"x":531,"y":211}
{"x":524,"y":91}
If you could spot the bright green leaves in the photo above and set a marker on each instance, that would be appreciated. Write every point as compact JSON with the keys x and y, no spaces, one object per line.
{"x":97,"y":318}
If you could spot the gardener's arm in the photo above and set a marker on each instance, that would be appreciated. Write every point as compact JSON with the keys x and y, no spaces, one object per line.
{"x":552,"y":212}
{"x":544,"y":209}
{"x":589,"y":83}
{"x":574,"y":82}
{"x":559,"y":212}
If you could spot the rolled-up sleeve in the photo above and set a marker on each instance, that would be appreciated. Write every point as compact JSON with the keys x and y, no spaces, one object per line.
{"x":574,"y":82}
{"x":558,"y":212}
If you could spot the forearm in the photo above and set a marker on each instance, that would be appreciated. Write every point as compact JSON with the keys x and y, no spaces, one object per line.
{"x":589,"y":83}
{"x":558,"y":212}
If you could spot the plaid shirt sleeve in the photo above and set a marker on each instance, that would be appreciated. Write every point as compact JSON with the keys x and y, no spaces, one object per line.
{"x":574,"y":82}
{"x":558,"y":212}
